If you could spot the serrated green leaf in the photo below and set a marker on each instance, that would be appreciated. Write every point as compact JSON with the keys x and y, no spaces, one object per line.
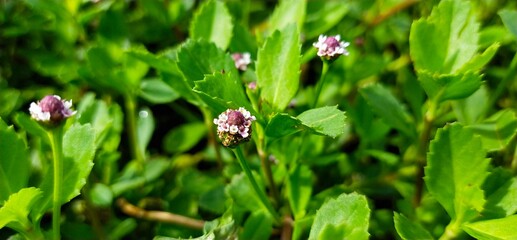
{"x":184,"y":137}
{"x":446,"y":40}
{"x":226,"y":87}
{"x":503,"y":228}
{"x":287,"y":12}
{"x":468,"y":110}
{"x":328,"y":121}
{"x":480,"y":60}
{"x":348,"y":210}
{"x":389,"y":108}
{"x":15,"y":211}
{"x":409,"y":230}
{"x":259,"y":225}
{"x":31,"y":126}
{"x":156,"y":91}
{"x":299,"y":189}
{"x":456,"y":168}
{"x":14,"y":162}
{"x":497,"y":131}
{"x":449,"y":86}
{"x":278,"y":68}
{"x":212,"y":22}
{"x":508,"y":17}
{"x":502,"y":201}
{"x":282,"y":124}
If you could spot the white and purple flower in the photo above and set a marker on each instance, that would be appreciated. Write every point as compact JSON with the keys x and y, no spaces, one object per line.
{"x":242,"y":60}
{"x":51,"y":109}
{"x":234,"y":126}
{"x":331,"y":47}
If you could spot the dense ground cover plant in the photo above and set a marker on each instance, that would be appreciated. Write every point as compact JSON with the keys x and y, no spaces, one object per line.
{"x":258,"y":119}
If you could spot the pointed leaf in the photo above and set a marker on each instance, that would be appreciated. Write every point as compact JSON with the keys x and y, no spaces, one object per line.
{"x":156,"y":91}
{"x":446,"y":40}
{"x":497,"y":131}
{"x":184,"y":137}
{"x":212,"y":22}
{"x":259,"y":225}
{"x":389,"y":108}
{"x":449,"y":86}
{"x":503,"y":228}
{"x":455,"y":171}
{"x":288,"y":12}
{"x":480,"y":60}
{"x":278,"y":68}
{"x":282,"y":124}
{"x":15,"y":211}
{"x":409,"y":230}
{"x":348,"y":210}
{"x":328,"y":121}
{"x":14,"y":162}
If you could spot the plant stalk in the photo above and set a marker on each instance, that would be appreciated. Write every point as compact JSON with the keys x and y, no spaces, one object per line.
{"x":56,"y":137}
{"x":262,"y":196}
{"x":130,"y":105}
{"x":320,"y":83}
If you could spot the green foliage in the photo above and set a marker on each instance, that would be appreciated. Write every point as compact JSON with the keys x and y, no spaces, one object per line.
{"x":493,"y":229}
{"x":408,"y":229}
{"x":213,"y":23}
{"x":14,"y":162}
{"x":14,"y":212}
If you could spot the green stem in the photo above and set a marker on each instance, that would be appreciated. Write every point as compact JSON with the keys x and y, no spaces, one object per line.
{"x":130,"y":105}
{"x":262,"y":196}
{"x":320,"y":83}
{"x":56,"y":137}
{"x":266,"y":166}
{"x":451,"y":231}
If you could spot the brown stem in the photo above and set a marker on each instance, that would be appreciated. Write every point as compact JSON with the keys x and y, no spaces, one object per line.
{"x":287,"y":229}
{"x":421,"y":157}
{"x":392,"y":11}
{"x":159,"y":216}
{"x":266,"y":167}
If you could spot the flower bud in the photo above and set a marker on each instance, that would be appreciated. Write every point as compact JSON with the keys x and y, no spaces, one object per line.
{"x":242,"y":60}
{"x":51,"y":110}
{"x":234,"y":126}
{"x":329,"y":48}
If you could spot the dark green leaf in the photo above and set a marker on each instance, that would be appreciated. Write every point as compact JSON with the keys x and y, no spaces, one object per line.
{"x":156,"y":91}
{"x":409,"y":230}
{"x":497,"y":131}
{"x":455,"y":170}
{"x":212,"y":22}
{"x":184,"y":137}
{"x":15,"y":166}
{"x":259,"y":225}
{"x":278,"y":68}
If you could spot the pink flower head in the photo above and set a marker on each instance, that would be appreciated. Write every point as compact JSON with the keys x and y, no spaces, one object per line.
{"x":234,"y":126}
{"x":242,"y":60}
{"x":331,"y":47}
{"x":51,"y":109}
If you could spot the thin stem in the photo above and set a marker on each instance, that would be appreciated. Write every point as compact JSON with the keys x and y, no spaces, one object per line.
{"x":56,"y":137}
{"x":262,"y":196}
{"x":266,"y":168}
{"x":212,"y":137}
{"x":130,"y":105}
{"x":320,"y":83}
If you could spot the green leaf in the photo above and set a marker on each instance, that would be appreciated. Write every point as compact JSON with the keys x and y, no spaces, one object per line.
{"x":446,"y":40}
{"x":15,"y":166}
{"x":182,"y":87}
{"x":322,"y":15}
{"x":502,"y":201}
{"x":328,"y":121}
{"x":227,"y":90}
{"x":389,"y":108}
{"x":287,"y":12}
{"x":480,"y":60}
{"x":156,"y":91}
{"x":212,"y":22}
{"x":503,"y":228}
{"x":184,"y":137}
{"x":241,"y":192}
{"x":25,"y":122}
{"x":15,"y":211}
{"x":282,"y":124}
{"x":101,"y":195}
{"x":348,"y":210}
{"x":299,"y":189}
{"x":508,"y":17}
{"x":144,"y":128}
{"x":278,"y":68}
{"x":449,"y":86}
{"x":259,"y":225}
{"x":213,"y":200}
{"x":497,"y":131}
{"x":159,"y":62}
{"x":409,"y":230}
{"x":455,"y":170}
{"x":468,"y":110}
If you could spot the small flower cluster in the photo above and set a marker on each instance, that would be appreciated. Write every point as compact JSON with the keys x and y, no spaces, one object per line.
{"x":242,"y":60}
{"x":234,"y":126}
{"x":51,"y":109}
{"x":331,"y":47}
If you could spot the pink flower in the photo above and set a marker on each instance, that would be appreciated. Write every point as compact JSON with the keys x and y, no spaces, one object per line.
{"x":242,"y":60}
{"x":234,"y":126}
{"x":331,"y":47}
{"x":51,"y":109}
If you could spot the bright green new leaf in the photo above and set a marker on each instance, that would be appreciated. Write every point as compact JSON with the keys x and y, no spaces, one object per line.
{"x":282,"y":124}
{"x":449,"y":86}
{"x":328,"y":121}
{"x":409,"y":230}
{"x":480,"y":60}
{"x":259,"y":225}
{"x":503,"y":228}
{"x":287,"y":12}
{"x":14,"y":162}
{"x":14,"y":212}
{"x":212,"y":22}
{"x":508,"y":17}
{"x":278,"y":68}
{"x":348,"y":210}
{"x":456,"y":168}
{"x":226,"y":87}
{"x":184,"y":137}
{"x":446,"y":40}
{"x":299,"y":189}
{"x":389,"y":108}
{"x":156,"y":91}
{"x":497,"y":131}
